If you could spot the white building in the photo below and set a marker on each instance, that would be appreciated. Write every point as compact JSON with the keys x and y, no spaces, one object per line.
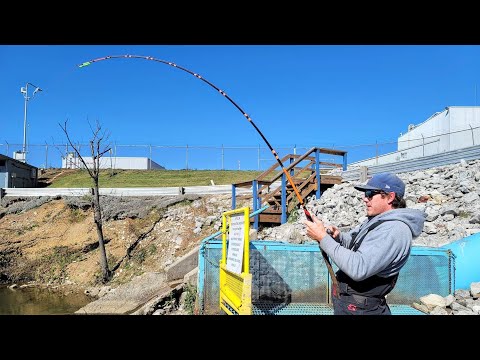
{"x":454,"y":128}
{"x":71,"y":161}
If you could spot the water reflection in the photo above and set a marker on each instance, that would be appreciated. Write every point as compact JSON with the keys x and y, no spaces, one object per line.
{"x":39,"y":301}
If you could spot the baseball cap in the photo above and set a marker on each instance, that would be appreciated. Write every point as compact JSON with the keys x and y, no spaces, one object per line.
{"x":386,"y":182}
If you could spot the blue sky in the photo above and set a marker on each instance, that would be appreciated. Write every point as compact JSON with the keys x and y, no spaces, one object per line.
{"x":341,"y":96}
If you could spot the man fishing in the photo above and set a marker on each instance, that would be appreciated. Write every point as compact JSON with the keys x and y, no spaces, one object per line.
{"x":370,"y":256}
{"x":315,"y":228}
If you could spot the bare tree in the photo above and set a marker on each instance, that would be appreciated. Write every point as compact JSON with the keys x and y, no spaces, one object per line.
{"x":97,"y":150}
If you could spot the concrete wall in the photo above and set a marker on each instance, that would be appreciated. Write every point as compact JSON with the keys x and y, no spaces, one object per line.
{"x":183,"y":266}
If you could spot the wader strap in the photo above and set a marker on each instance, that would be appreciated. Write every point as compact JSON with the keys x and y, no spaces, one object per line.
{"x":356,"y":242}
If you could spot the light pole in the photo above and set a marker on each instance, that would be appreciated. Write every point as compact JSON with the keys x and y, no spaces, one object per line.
{"x":24,"y":91}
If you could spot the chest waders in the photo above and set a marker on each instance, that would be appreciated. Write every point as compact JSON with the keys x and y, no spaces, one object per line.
{"x":366,"y":297}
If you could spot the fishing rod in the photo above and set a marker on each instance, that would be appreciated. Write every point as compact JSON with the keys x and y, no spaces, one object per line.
{"x":299,"y":197}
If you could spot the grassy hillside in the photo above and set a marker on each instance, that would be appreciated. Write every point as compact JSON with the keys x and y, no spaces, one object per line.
{"x":144,"y":178}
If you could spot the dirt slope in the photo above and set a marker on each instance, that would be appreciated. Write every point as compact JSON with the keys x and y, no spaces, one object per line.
{"x":56,"y":243}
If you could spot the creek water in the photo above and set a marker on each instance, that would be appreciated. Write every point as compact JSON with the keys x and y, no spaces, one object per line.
{"x":39,"y":301}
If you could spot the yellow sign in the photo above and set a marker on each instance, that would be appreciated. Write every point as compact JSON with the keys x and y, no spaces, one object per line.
{"x":236,"y":238}
{"x":235,"y":278}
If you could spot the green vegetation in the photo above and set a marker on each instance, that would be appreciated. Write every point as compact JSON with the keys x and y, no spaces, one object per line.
{"x":294,"y":216}
{"x":26,"y":229}
{"x":52,"y":267}
{"x":139,"y":256}
{"x":190,"y":298}
{"x":153,"y":178}
{"x":77,"y":215}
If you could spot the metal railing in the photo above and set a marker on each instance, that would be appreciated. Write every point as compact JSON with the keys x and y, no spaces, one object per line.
{"x":425,"y":162}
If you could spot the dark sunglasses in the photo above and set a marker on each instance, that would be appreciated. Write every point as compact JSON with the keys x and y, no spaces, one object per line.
{"x":371,"y":193}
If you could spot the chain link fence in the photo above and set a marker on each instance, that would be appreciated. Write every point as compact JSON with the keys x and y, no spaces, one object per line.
{"x":259,"y":157}
{"x":170,"y":157}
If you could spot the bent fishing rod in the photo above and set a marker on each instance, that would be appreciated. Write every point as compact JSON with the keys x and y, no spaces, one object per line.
{"x":299,"y":197}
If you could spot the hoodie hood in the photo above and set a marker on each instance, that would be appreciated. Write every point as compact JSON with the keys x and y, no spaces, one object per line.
{"x":412,"y":217}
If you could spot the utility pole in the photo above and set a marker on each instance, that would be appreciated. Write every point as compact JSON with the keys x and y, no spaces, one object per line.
{"x":24,"y":91}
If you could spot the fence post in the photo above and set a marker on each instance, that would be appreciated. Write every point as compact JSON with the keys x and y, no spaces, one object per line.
{"x":258,"y":157}
{"x":473,"y":138}
{"x":423,"y":145}
{"x":223,"y":158}
{"x":363,"y":173}
{"x":46,"y":155}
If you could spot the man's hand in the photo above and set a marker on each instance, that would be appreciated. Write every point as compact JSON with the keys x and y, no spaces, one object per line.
{"x":315,"y":230}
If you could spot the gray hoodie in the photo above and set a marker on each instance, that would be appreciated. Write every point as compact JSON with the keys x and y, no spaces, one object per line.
{"x":384,"y":250}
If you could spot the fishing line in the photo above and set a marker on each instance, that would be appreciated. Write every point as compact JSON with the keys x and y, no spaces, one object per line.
{"x":290,"y":180}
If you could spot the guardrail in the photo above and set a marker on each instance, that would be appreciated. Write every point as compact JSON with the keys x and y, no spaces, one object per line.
{"x":157,"y":191}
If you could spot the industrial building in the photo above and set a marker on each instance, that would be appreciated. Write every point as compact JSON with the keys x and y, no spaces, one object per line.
{"x":454,"y":128}
{"x":16,"y":174}
{"x":71,"y":161}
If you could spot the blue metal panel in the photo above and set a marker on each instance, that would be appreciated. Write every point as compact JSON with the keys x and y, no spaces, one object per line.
{"x":201,"y":277}
{"x":208,"y":280}
{"x":397,"y":309}
{"x":290,"y":279}
{"x":318,"y":309}
{"x":281,"y":246}
{"x":427,"y":271}
{"x":467,"y":260}
{"x":292,"y":309}
{"x":289,"y":276}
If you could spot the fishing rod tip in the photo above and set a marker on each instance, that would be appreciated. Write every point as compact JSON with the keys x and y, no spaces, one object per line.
{"x":84,"y":64}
